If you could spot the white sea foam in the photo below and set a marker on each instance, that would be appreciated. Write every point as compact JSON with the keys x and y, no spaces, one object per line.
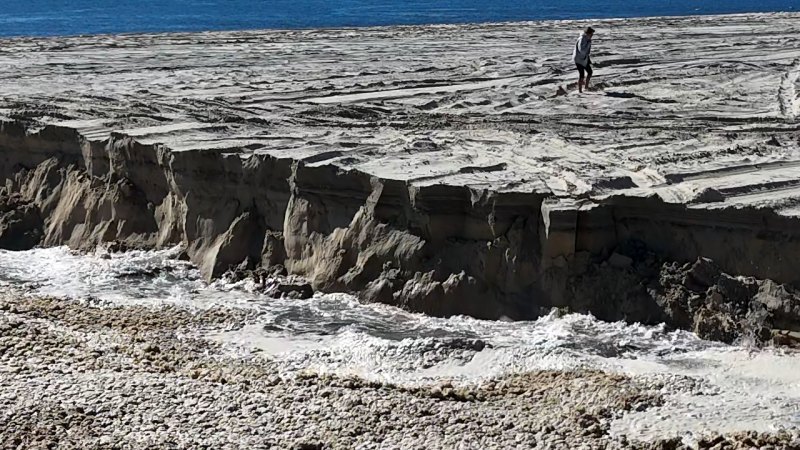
{"x":729,"y":387}
{"x":740,"y":389}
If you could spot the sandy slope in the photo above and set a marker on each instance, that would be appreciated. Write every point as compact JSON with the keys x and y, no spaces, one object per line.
{"x":679,"y":105}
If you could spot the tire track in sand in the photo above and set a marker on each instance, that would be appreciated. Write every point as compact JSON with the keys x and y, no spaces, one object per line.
{"x":787,"y":95}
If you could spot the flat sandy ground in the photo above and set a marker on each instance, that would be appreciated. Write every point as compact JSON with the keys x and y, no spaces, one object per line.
{"x":678,"y":104}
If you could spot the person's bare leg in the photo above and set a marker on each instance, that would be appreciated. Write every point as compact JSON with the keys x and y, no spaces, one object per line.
{"x":588,"y":77}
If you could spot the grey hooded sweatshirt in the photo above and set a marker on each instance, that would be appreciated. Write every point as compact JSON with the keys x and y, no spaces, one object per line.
{"x":580,"y":53}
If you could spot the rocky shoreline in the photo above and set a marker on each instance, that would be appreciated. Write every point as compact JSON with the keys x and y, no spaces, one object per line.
{"x":84,"y":375}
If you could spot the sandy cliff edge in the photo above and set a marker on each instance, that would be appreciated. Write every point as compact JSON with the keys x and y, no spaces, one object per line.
{"x":438,"y":249}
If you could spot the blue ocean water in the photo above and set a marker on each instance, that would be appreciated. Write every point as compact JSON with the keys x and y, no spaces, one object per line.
{"x":71,"y":17}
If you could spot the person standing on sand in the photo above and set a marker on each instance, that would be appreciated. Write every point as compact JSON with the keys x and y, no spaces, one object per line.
{"x":580,"y":54}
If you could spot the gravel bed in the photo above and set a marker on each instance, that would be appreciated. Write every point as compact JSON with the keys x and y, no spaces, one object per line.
{"x":78,"y":375}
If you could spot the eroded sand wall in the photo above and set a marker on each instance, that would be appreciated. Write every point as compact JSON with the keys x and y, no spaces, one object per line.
{"x":438,"y":249}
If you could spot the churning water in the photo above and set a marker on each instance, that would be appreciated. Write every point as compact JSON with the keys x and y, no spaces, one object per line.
{"x":708,"y":386}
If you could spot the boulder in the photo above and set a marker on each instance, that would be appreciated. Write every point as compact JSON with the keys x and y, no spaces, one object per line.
{"x":294,"y":290}
{"x":704,"y":273}
{"x":715,"y":325}
{"x":619,"y":261}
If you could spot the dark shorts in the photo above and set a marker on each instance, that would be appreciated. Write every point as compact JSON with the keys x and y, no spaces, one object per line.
{"x":587,"y":69}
